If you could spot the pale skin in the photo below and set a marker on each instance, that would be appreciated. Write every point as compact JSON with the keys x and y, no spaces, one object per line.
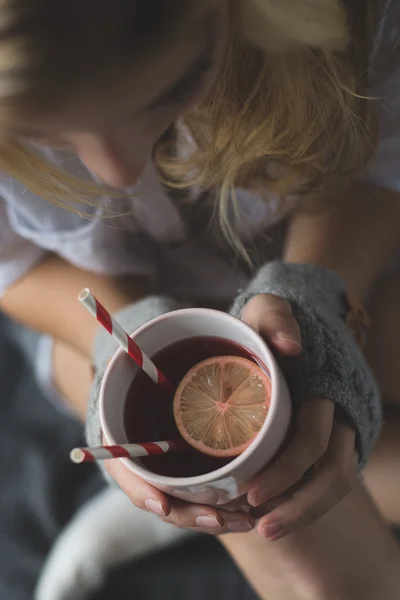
{"x":357,"y":240}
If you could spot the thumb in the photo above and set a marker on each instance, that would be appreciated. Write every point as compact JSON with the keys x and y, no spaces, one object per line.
{"x":271,"y":316}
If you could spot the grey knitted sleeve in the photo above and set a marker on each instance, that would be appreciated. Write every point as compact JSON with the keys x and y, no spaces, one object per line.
{"x":331,"y":364}
{"x":131,"y":318}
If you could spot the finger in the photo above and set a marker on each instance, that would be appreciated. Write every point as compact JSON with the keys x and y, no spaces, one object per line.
{"x":208,"y":519}
{"x":183,"y":514}
{"x":141,"y":493}
{"x":240,"y":504}
{"x":271,"y":316}
{"x":313,"y":430}
{"x":331,"y":483}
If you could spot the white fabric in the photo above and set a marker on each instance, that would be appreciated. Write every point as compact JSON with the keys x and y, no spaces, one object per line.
{"x":105,"y":533}
{"x":151,"y":238}
{"x":149,"y":235}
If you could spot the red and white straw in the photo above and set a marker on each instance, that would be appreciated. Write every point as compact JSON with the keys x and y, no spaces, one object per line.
{"x":123,"y":339}
{"x":81,"y":455}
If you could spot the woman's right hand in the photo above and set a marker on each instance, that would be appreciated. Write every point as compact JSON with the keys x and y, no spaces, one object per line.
{"x":200,"y":518}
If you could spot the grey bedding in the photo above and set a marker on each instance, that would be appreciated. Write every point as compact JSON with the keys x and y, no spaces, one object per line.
{"x":40,"y":491}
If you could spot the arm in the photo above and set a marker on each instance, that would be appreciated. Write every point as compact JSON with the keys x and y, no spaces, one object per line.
{"x":357,"y":238}
{"x":45,"y":299}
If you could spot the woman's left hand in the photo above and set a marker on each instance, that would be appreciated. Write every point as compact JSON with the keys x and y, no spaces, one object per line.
{"x":316,"y":469}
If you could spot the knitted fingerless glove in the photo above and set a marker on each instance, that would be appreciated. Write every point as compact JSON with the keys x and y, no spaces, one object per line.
{"x":331,"y":364}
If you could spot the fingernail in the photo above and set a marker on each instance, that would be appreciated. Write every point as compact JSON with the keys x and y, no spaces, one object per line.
{"x":239,"y":526}
{"x":280,"y":336}
{"x":258,"y":498}
{"x":277,"y":537}
{"x":208,"y":522}
{"x":272,"y":531}
{"x":155,"y":507}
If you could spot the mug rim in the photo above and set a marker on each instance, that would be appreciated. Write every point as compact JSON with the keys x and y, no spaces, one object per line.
{"x":226,"y":470}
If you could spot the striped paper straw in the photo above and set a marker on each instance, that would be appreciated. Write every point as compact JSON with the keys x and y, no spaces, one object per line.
{"x":123,"y":339}
{"x":81,"y":455}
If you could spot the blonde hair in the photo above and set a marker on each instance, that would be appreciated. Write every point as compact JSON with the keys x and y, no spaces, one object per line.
{"x":289,"y":112}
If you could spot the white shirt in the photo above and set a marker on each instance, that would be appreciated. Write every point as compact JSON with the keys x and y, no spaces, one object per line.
{"x":148,"y":238}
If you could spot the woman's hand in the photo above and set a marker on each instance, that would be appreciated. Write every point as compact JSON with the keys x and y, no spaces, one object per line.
{"x":201,"y":518}
{"x":312,"y":474}
{"x":317,"y":468}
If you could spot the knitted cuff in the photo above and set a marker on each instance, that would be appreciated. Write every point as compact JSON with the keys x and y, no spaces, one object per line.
{"x":331,"y":364}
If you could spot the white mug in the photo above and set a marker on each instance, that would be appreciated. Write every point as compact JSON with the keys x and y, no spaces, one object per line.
{"x":231,"y":481}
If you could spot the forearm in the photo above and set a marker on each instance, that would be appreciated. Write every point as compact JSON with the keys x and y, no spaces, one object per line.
{"x":45,"y":299}
{"x":357,"y":238}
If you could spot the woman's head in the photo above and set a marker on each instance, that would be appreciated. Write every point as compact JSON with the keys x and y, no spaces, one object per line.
{"x":271,"y":92}
{"x":107,"y":78}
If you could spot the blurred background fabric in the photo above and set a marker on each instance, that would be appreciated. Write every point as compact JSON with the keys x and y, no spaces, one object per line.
{"x":40,"y":490}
